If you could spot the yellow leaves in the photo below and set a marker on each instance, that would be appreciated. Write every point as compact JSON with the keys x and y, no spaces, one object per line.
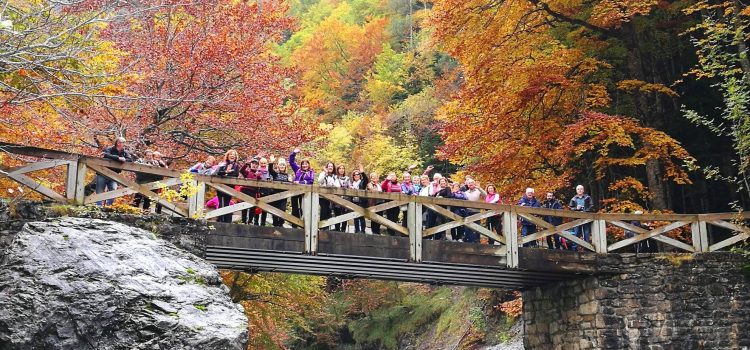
{"x":644,"y":87}
{"x":597,"y":96}
{"x":613,"y":13}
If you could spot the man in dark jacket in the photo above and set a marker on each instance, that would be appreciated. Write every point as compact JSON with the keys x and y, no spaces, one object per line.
{"x":582,"y":202}
{"x":528,"y":227}
{"x":553,"y":242}
{"x":116,"y":153}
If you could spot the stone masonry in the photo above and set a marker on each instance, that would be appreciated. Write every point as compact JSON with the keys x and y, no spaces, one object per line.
{"x":648,"y":301}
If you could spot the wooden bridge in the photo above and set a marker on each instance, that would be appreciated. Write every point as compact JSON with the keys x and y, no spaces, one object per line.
{"x":410,"y":256}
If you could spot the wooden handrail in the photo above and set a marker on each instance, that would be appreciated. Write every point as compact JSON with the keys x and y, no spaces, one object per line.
{"x":79,"y":164}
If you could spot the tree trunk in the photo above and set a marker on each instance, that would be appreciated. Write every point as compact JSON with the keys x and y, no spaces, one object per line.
{"x":645,"y":113}
{"x":656,"y":185}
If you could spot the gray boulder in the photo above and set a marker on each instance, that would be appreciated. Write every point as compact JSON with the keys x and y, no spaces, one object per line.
{"x":78,"y":283}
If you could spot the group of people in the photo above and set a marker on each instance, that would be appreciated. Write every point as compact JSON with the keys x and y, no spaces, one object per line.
{"x":299,"y":171}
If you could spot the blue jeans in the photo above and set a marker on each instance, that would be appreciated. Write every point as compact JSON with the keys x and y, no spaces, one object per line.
{"x":584,"y":231}
{"x":102,"y":183}
{"x":528,"y":230}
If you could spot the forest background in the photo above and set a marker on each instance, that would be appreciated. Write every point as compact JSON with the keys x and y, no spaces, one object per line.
{"x":643,"y":101}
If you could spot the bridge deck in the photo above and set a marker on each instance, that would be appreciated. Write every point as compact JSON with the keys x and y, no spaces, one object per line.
{"x":347,"y":255}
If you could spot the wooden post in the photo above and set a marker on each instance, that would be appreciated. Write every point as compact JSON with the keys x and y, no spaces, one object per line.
{"x":195,"y":202}
{"x":510,"y":231}
{"x":414,"y":224}
{"x":311,"y":214}
{"x":80,"y":183}
{"x":71,"y":180}
{"x":599,"y":235}
{"x":700,"y":236}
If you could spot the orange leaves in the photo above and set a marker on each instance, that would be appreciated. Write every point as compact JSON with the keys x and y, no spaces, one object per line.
{"x":612,"y":141}
{"x":612,"y":13}
{"x":644,"y":87}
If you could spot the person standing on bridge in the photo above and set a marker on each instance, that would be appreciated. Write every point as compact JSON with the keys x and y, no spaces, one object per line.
{"x":250,"y":171}
{"x":204,"y":168}
{"x":391,"y":185}
{"x":359,"y":182}
{"x":278,"y":171}
{"x":374,"y":186}
{"x":582,"y":202}
{"x":473,"y":193}
{"x":228,"y":168}
{"x":550,"y":202}
{"x":327,"y":178}
{"x":117,"y":153}
{"x":144,"y":178}
{"x":493,"y":222}
{"x":528,"y":227}
{"x":346,"y":183}
{"x":303,"y":175}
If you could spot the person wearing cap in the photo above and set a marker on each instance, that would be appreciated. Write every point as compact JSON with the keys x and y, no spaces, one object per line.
{"x":278,"y":171}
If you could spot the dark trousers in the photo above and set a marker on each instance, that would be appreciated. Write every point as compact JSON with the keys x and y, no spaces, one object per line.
{"x":248,"y":215}
{"x":297,"y":207}
{"x":339,"y":210}
{"x":528,"y":230}
{"x":392,"y":215}
{"x":493,"y":224}
{"x":325,"y":210}
{"x":434,"y":219}
{"x":281,"y":205}
{"x":224,"y":202}
{"x":470,"y":236}
{"x":359,"y":225}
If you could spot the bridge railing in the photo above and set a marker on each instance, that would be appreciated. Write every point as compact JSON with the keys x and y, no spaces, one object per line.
{"x":79,"y":171}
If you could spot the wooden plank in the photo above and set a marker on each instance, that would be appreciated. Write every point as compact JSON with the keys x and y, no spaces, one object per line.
{"x":355,"y":214}
{"x":577,"y":240}
{"x":462,"y":221}
{"x":536,"y":221}
{"x":37,"y":166}
{"x":699,"y":232}
{"x":649,"y":234}
{"x":124,"y":191}
{"x":38,"y":187}
{"x":36,"y":151}
{"x":368,"y":214}
{"x":228,"y":209}
{"x":729,"y":225}
{"x":80,"y":191}
{"x":510,"y":232}
{"x":315,"y":219}
{"x":629,"y":227}
{"x":307,"y":210}
{"x":141,"y":189}
{"x":728,"y":242}
{"x":599,"y":235}
{"x":555,"y":230}
{"x":675,"y":243}
{"x":200,"y":199}
{"x":260,"y":202}
{"x":71,"y":180}
{"x":724,"y":216}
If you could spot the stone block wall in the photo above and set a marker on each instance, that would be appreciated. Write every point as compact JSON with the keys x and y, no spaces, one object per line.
{"x":649,"y":301}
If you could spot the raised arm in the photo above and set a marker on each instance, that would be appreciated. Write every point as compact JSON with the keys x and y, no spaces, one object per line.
{"x":293,"y":160}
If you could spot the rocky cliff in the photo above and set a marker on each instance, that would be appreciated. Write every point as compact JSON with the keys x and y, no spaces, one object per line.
{"x":74,"y":283}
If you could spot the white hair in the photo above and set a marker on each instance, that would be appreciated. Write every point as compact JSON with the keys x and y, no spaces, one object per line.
{"x":529,"y":189}
{"x":579,"y":186}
